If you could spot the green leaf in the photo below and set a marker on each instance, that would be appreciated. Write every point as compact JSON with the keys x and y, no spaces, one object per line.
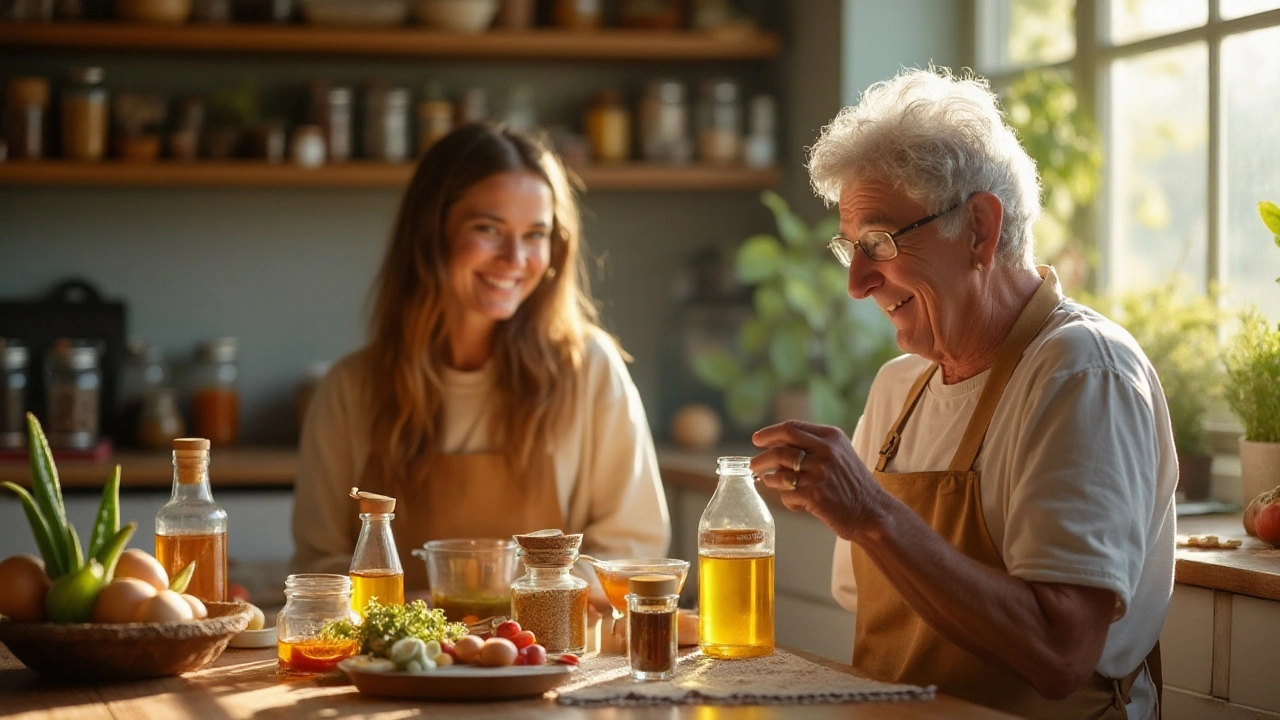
{"x":826,"y":403}
{"x":747,"y":400}
{"x":758,"y":259}
{"x":180,"y":581}
{"x":804,"y":298}
{"x":770,"y":303}
{"x":1270,"y":217}
{"x":48,"y":493}
{"x":107,"y":522}
{"x":111,"y":550}
{"x":792,"y":229}
{"x":717,"y":368}
{"x":788,"y":356}
{"x":39,"y":530}
{"x":754,"y":337}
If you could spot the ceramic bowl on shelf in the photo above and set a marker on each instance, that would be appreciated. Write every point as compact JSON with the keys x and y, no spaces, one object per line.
{"x":364,"y":13}
{"x":167,"y":12}
{"x":462,"y":16}
{"x":120,"y":651}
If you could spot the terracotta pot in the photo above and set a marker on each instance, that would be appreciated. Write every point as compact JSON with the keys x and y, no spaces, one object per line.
{"x":1194,"y":475}
{"x":1259,"y":468}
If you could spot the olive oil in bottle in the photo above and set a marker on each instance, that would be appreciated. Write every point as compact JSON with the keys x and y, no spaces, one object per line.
{"x":375,"y":566}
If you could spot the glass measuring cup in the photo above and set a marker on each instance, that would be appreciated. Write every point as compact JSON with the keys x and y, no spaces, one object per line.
{"x":470,"y":578}
{"x":614,"y":575}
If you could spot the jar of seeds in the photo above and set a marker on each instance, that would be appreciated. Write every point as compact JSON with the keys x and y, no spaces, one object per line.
{"x":549,"y":601}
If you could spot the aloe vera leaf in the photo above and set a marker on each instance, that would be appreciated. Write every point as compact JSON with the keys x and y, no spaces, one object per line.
{"x":77,"y":552}
{"x":47,"y":492}
{"x":39,"y":530}
{"x":107,"y":522}
{"x":111,"y":550}
{"x":180,"y":581}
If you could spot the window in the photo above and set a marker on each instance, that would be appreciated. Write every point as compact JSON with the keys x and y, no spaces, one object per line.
{"x":1184,"y":96}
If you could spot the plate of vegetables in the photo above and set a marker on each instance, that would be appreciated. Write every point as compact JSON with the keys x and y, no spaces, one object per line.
{"x":411,"y":651}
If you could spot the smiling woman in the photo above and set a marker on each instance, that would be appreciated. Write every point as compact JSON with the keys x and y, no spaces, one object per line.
{"x":487,"y":401}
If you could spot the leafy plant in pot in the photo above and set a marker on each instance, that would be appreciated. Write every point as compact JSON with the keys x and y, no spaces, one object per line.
{"x":806,"y":339}
{"x":1252,"y":359}
{"x":1177,"y":329}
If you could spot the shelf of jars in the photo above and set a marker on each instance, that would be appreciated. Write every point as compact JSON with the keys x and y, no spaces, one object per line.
{"x":231,"y":173}
{"x":407,"y":41}
{"x":240,"y":466}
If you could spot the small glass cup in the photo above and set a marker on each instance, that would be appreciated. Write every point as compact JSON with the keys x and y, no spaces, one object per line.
{"x":470,"y":578}
{"x":312,"y":601}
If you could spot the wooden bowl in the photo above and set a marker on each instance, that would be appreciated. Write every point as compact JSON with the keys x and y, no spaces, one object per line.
{"x":88,"y":651}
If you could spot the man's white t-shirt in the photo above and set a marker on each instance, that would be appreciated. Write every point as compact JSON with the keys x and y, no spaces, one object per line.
{"x":1077,"y":471}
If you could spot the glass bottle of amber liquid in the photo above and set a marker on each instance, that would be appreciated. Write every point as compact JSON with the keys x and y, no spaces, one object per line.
{"x":191,"y":526}
{"x":375,"y":566}
{"x":735,"y":567}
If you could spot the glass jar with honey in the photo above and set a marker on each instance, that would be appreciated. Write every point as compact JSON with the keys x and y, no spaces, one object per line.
{"x":312,"y":601}
{"x":735,"y":567}
{"x":375,"y":566}
{"x":191,"y":527}
{"x":215,"y":398}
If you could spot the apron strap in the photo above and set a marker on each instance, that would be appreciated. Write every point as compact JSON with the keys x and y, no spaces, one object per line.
{"x":890,"y":447}
{"x":1121,"y":687}
{"x":1024,"y":331}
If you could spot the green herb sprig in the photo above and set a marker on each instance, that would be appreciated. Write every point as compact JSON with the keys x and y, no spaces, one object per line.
{"x":385,"y":624}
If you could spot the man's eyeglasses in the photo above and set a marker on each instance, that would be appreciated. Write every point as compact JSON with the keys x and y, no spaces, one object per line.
{"x":877,"y":244}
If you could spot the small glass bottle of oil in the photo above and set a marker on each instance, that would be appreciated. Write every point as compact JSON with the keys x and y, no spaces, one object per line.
{"x":735,"y":567}
{"x":375,"y":566}
{"x":191,"y":526}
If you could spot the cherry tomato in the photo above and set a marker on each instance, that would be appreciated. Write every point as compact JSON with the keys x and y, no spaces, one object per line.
{"x":507,"y":629}
{"x":447,"y":648}
{"x":523,"y":639}
{"x":536,"y":655}
{"x":470,"y":620}
{"x":566,"y":659}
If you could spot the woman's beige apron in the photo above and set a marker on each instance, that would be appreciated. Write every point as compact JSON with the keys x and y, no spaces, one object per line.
{"x":476,"y":495}
{"x":891,"y":641}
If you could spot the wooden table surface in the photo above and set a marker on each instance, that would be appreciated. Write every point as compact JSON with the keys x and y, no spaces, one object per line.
{"x":1252,"y":569}
{"x":243,"y":684}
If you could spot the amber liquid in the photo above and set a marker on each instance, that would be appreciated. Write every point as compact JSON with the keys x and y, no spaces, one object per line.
{"x":306,"y":657}
{"x":457,"y":608}
{"x":386,"y":585}
{"x":209,"y":581}
{"x":217,"y":414}
{"x":735,"y":606}
{"x":615,"y":587}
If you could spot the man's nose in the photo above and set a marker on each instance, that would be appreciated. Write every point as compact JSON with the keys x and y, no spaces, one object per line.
{"x":863,"y":275}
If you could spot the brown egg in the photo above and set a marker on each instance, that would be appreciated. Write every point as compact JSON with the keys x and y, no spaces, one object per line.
{"x":166,"y":606}
{"x":23,"y":586}
{"x":498,"y":652}
{"x":468,"y":648}
{"x":198,"y":610}
{"x":120,"y":600}
{"x":139,"y":564}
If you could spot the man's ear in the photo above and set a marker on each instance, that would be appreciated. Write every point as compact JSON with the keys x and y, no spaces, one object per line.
{"x":986,"y":217}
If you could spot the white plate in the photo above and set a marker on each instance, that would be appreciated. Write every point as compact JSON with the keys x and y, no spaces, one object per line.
{"x":459,"y":682}
{"x":253,"y":638}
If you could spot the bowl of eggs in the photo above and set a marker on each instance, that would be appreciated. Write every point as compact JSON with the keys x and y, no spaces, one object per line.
{"x":139,"y":627}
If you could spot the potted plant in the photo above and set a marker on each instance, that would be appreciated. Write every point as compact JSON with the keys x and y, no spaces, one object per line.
{"x":807,"y":339}
{"x":1252,"y":359}
{"x":1177,"y":328}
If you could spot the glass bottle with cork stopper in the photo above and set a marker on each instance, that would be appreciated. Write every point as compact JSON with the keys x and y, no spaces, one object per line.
{"x":375,"y":566}
{"x":191,"y":526}
{"x":735,"y":567}
{"x":651,"y":626}
{"x":549,"y":601}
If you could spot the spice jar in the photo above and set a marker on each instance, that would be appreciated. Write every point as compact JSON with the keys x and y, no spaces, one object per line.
{"x":73,"y":385}
{"x":26,"y":104}
{"x":609,"y":128}
{"x":307,"y":146}
{"x":13,"y":393}
{"x":333,"y":115}
{"x":578,"y":14}
{"x":651,"y":626}
{"x":435,"y":116}
{"x":549,"y":601}
{"x":664,"y":123}
{"x":144,"y":372}
{"x":215,"y":400}
{"x":84,"y":115}
{"x":160,"y":423}
{"x":312,"y":601}
{"x":473,"y":106}
{"x":760,"y":149}
{"x":651,"y":14}
{"x":719,"y":123}
{"x":386,"y":123}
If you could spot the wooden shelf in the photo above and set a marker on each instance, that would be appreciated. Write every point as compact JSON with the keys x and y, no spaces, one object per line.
{"x":407,"y":41}
{"x":229,"y":467}
{"x":248,"y":173}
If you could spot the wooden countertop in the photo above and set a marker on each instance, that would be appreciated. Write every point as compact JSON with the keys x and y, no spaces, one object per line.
{"x":243,"y":684}
{"x":1252,"y":569}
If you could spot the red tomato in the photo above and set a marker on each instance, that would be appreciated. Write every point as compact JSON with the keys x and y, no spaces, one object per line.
{"x":524,"y":638}
{"x":236,"y":591}
{"x":507,"y":629}
{"x":536,"y":655}
{"x":566,"y":659}
{"x":446,"y":647}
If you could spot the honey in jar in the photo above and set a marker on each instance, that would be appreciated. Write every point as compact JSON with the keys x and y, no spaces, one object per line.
{"x":312,"y":602}
{"x":191,"y":526}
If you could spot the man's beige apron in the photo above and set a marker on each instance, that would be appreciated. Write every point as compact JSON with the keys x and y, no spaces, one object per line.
{"x":476,"y":495}
{"x":891,"y":641}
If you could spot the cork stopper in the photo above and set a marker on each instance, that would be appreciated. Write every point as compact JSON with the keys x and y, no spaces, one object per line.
{"x":653,"y":585}
{"x":548,"y":548}
{"x":191,"y":444}
{"x":191,"y":460}
{"x":373,"y":502}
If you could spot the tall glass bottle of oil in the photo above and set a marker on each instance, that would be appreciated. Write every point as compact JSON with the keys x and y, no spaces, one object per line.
{"x":735,"y":567}
{"x":375,"y":565}
{"x":191,"y":526}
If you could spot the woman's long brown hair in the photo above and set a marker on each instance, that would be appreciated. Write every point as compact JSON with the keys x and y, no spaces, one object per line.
{"x":536,"y":352}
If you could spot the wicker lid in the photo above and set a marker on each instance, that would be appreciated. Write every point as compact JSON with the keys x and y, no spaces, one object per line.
{"x":653,"y":585}
{"x":185,"y":444}
{"x":373,"y":502}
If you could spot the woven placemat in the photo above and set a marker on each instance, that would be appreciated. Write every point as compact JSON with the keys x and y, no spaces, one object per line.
{"x":779,"y":679}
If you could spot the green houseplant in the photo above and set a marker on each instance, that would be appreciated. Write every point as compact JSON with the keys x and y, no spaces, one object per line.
{"x":805,"y":335}
{"x":1252,"y":359}
{"x":1177,"y":328}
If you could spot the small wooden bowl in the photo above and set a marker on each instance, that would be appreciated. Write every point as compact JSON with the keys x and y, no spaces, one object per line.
{"x":88,"y":651}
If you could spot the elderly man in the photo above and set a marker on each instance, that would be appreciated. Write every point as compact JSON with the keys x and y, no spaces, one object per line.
{"x":1005,"y":513}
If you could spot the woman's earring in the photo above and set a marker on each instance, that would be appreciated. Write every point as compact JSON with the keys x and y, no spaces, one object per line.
{"x":980,"y":267}
{"x":550,"y":274}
